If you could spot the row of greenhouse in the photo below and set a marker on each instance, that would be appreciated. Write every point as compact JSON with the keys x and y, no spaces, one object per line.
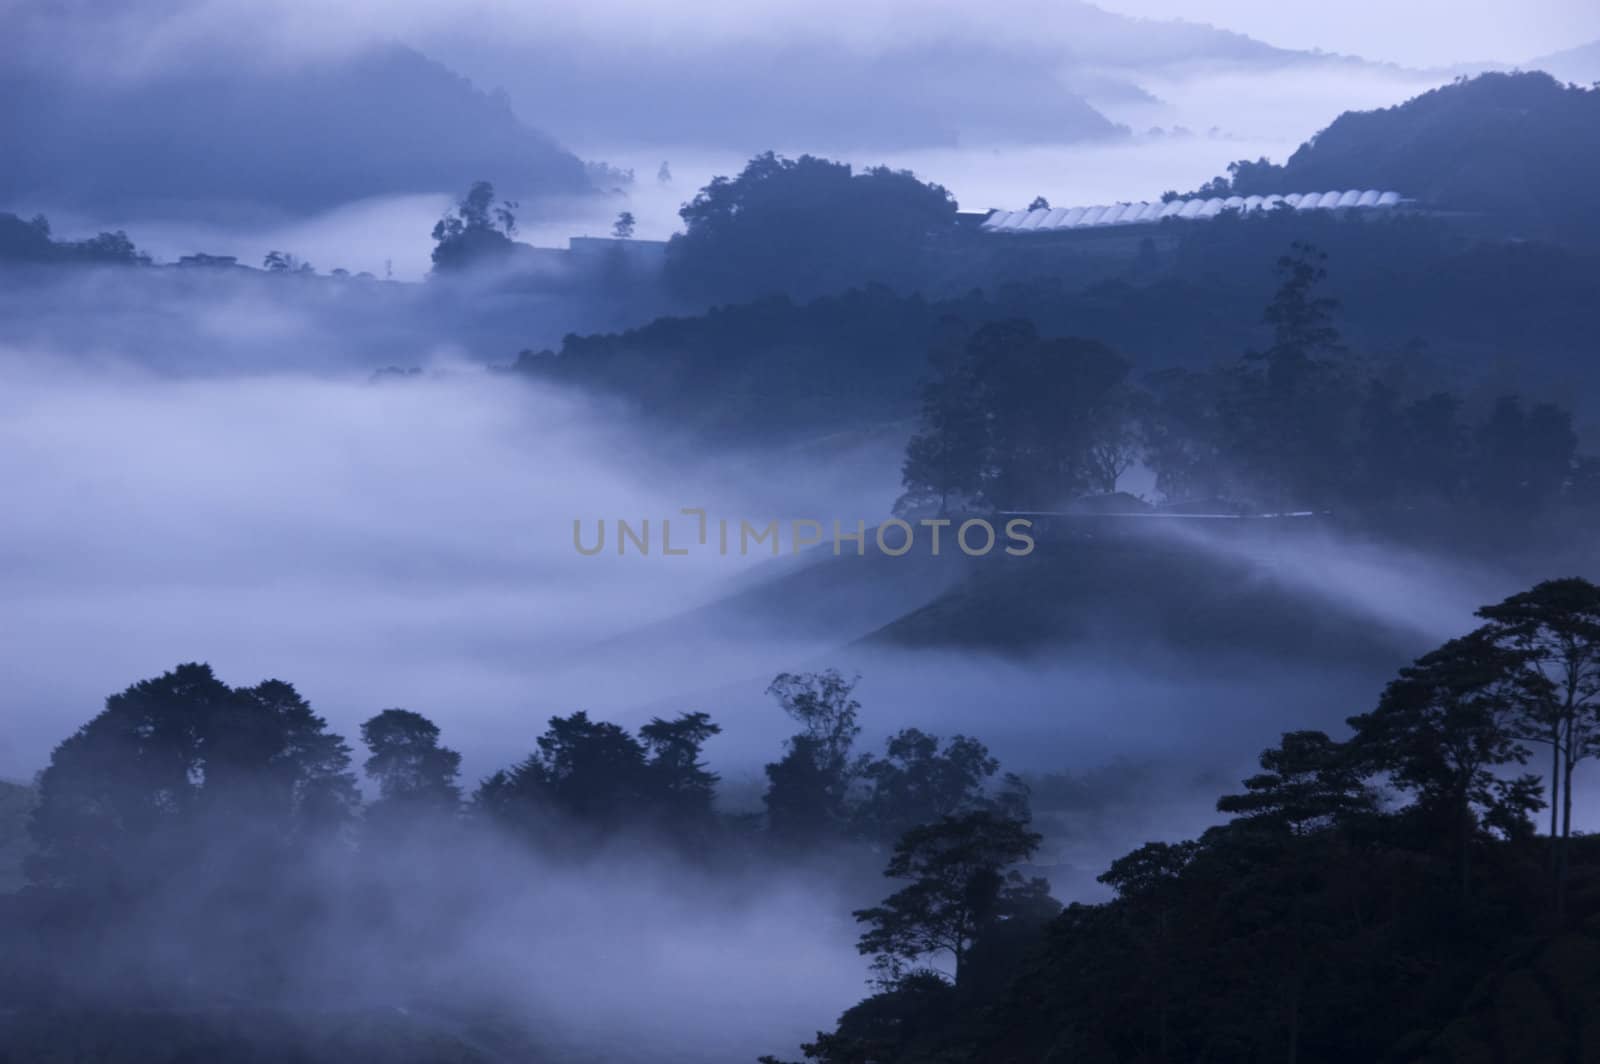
{"x":1045,"y":219}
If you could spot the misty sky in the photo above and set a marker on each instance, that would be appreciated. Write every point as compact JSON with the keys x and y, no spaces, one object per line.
{"x":619,"y":32}
{"x":1413,"y":32}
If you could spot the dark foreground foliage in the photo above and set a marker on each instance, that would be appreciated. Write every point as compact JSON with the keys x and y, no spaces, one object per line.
{"x":207,"y":884}
{"x":1381,"y":898}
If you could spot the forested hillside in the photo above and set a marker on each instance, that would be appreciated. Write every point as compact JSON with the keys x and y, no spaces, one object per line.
{"x":1518,"y":148}
{"x":1382,"y":896}
{"x":111,"y":145}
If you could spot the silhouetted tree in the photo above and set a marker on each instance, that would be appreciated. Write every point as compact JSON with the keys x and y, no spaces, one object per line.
{"x":916,"y":782}
{"x":26,"y":241}
{"x":595,"y":775}
{"x":1523,"y":459}
{"x":179,"y":765}
{"x":946,"y":459}
{"x":682,"y":789}
{"x":1303,"y":333}
{"x":1444,"y":728}
{"x":1553,"y":631}
{"x":1309,"y":781}
{"x":1309,"y":784}
{"x":416,"y":776}
{"x":960,"y":884}
{"x":623,"y":229}
{"x":477,"y":231}
{"x":809,"y":788}
{"x":283,"y":262}
{"x":590,"y":773}
{"x":804,"y":227}
{"x":30,"y":241}
{"x":1149,"y":883}
{"x":1057,"y":412}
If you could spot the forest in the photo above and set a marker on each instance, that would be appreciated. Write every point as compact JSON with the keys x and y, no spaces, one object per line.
{"x":1280,"y":746}
{"x":1382,"y":894}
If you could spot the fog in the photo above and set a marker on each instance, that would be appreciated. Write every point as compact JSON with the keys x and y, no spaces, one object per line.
{"x":203,"y":468}
{"x":349,"y":483}
{"x":1419,"y":32}
{"x":1073,"y":102}
{"x":393,"y":543}
{"x":627,"y":954}
{"x":409,"y":542}
{"x":214,"y":474}
{"x":1197,"y":123}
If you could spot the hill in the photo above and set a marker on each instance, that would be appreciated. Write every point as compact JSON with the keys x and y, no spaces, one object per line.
{"x":1111,"y":584}
{"x":1037,"y":76}
{"x":1580,"y":65}
{"x":1089,"y":583}
{"x":388,"y":120}
{"x":777,"y":369}
{"x":1518,"y":147}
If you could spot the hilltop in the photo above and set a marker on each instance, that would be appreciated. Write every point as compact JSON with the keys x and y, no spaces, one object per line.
{"x":1518,"y":146}
{"x":385,"y":121}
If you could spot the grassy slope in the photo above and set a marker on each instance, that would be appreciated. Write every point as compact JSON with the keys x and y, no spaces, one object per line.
{"x":1140,"y":588}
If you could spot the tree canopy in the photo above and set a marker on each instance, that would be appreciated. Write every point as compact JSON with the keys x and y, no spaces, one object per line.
{"x":805,"y":227}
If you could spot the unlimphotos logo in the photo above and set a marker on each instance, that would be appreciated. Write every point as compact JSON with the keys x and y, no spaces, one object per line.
{"x":972,"y":536}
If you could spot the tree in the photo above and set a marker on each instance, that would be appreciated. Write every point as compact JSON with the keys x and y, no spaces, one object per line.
{"x":283,"y":262}
{"x":917,"y":782}
{"x":591,"y":773}
{"x":1522,"y":459}
{"x":805,"y":227}
{"x":1039,"y":204}
{"x":26,"y":241}
{"x":182,"y":766}
{"x":1285,"y":413}
{"x":1303,"y":333}
{"x":960,"y":885}
{"x":682,"y":788}
{"x":310,"y":789}
{"x":946,"y":459}
{"x":1553,"y":633}
{"x":623,"y":229}
{"x":30,"y":241}
{"x":477,"y":231}
{"x":664,"y":174}
{"x":114,"y":247}
{"x":1180,"y":434}
{"x":809,"y":787}
{"x":1310,"y":784}
{"x":595,"y":775}
{"x":416,"y":776}
{"x":1149,"y":884}
{"x":1057,"y":412}
{"x":1444,"y":727}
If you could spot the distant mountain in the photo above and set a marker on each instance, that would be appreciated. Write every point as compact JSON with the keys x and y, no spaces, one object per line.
{"x":1580,"y":65}
{"x":1518,"y":148}
{"x":388,"y":120}
{"x":992,"y":79}
{"x":1091,"y":36}
{"x":797,"y":95}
